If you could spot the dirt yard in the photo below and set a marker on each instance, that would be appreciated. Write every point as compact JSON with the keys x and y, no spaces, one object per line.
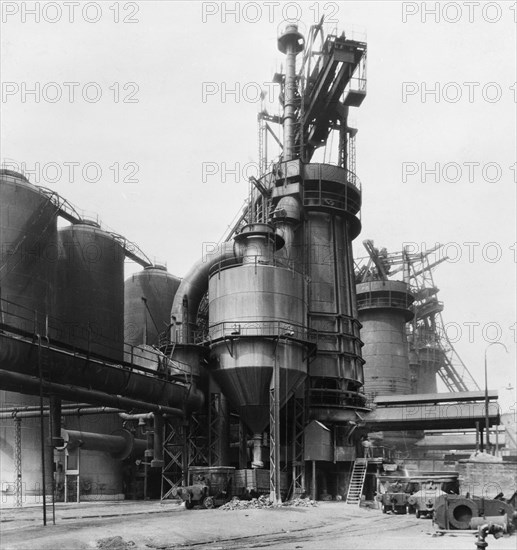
{"x":169,"y":526}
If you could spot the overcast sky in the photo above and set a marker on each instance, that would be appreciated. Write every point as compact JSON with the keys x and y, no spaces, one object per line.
{"x":136,"y":98}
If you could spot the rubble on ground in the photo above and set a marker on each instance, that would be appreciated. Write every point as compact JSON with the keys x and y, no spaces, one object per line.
{"x":264,"y":502}
{"x":115,"y":543}
{"x":306,"y":502}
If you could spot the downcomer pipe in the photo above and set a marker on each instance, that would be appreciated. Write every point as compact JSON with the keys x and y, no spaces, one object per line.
{"x":285,"y":218}
{"x":191,"y":290}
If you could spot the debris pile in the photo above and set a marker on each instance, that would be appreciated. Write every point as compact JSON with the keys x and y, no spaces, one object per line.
{"x":236,"y":504}
{"x":264,"y":502}
{"x":306,"y":502}
{"x":115,"y":543}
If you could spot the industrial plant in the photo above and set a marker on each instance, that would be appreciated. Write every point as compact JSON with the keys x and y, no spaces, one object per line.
{"x":278,"y":365}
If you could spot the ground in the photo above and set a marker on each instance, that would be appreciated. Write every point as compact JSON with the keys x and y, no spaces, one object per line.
{"x":164,"y":526}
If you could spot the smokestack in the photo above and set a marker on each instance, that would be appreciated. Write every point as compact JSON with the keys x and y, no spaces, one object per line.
{"x":290,"y":42}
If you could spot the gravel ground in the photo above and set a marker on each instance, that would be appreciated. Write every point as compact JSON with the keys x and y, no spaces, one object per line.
{"x":168,"y":526}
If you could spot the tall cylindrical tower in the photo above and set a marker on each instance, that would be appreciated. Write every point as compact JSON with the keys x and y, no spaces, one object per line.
{"x":384,"y":309}
{"x":326,"y":200}
{"x":331,"y":200}
{"x":90,"y":317}
{"x":90,"y":290}
{"x":28,"y":250}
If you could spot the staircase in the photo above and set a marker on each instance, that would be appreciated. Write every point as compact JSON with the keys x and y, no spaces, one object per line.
{"x":355,"y":489}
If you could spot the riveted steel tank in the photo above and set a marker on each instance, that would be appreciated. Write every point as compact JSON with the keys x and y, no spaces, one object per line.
{"x":90,"y":316}
{"x":257,"y":321}
{"x":90,"y":290}
{"x":28,"y":250}
{"x":148,"y":297}
{"x":28,"y":229}
{"x":384,"y":310}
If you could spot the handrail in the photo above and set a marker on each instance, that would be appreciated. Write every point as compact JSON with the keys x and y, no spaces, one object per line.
{"x":273,"y":327}
{"x":254,"y":260}
{"x":77,"y":338}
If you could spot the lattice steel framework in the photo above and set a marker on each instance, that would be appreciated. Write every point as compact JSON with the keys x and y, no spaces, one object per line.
{"x":274,"y":436}
{"x":197,"y":440}
{"x":18,"y":461}
{"x":298,"y":463}
{"x":215,"y":412}
{"x":174,"y":456}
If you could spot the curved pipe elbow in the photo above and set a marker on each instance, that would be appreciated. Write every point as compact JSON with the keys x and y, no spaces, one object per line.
{"x":195,"y":399}
{"x":192,"y":288}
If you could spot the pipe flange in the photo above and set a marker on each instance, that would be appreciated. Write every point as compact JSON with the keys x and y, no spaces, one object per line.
{"x":460,"y":512}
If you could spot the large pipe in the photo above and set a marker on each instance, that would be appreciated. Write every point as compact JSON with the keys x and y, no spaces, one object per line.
{"x":119,"y":445}
{"x":191,"y":290}
{"x":140,"y":416}
{"x":55,"y":413}
{"x":286,"y":217}
{"x":19,"y":356}
{"x":27,"y":408}
{"x":14,"y":381}
{"x":157,"y":461}
{"x":80,"y":411}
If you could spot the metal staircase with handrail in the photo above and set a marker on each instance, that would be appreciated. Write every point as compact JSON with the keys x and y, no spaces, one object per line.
{"x":355,"y":488}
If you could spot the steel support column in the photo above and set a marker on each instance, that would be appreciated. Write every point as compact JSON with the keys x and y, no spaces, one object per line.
{"x":197,"y":440}
{"x":243,"y":446}
{"x":298,"y":463}
{"x":274,"y":435}
{"x":174,"y":455}
{"x":18,"y":486}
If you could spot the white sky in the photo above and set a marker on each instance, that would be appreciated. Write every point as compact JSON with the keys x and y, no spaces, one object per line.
{"x":169,"y":132}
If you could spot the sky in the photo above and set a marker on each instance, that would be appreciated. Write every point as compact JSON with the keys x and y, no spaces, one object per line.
{"x":145,"y":113}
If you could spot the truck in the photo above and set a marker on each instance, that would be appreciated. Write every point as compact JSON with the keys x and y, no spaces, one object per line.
{"x":207,"y":486}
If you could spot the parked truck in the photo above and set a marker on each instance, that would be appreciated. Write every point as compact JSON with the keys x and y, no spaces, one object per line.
{"x":207,"y":486}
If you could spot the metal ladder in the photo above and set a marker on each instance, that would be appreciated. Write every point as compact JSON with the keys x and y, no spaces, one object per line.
{"x":355,"y":489}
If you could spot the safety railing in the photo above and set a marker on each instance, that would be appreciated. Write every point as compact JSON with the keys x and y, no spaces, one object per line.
{"x":270,"y":328}
{"x":385,"y":299}
{"x":321,"y":193}
{"x":255,"y":260}
{"x":87,"y":340}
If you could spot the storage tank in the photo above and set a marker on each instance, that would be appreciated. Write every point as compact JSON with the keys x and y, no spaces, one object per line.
{"x":90,"y":290}
{"x":28,"y":247}
{"x":148,"y":297}
{"x":384,"y":310}
{"x":90,"y":312}
{"x":28,"y":229}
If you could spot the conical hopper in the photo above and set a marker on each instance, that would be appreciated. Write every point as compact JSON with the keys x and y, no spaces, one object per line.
{"x":246,"y":384}
{"x":248,"y":391}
